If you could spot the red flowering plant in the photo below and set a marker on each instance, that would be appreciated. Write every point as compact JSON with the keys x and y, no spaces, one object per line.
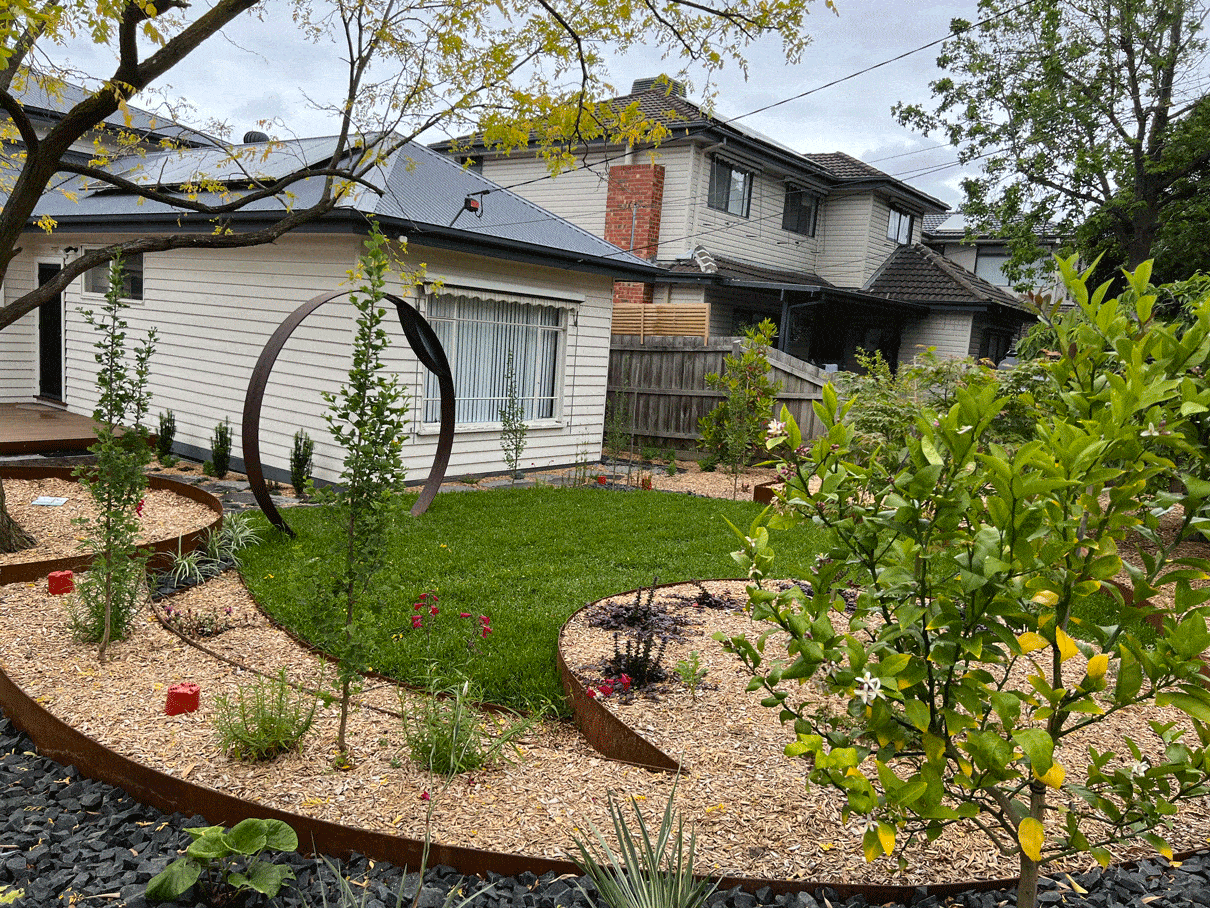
{"x":427,"y":616}
{"x":609,"y":686}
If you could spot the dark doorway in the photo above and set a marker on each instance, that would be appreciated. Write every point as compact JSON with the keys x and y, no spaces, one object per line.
{"x":50,"y":340}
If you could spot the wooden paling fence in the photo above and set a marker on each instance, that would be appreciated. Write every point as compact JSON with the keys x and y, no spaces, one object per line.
{"x":664,"y":383}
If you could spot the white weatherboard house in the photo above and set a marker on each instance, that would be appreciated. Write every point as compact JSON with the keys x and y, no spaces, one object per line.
{"x":512,"y":277}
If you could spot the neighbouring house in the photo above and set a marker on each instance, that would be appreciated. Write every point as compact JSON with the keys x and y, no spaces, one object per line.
{"x":505,"y":278}
{"x":985,"y":253}
{"x":751,"y":229}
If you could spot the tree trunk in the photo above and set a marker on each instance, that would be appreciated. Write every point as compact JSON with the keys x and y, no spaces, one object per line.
{"x":12,"y":537}
{"x":1027,"y":888}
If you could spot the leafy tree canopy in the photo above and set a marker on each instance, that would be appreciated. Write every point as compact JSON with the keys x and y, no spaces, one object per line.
{"x":1074,"y":107}
{"x":515,"y":69}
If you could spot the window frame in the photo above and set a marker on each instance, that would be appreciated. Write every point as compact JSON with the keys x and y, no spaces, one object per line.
{"x":719,"y":196}
{"x":987,"y":254}
{"x":552,"y":373}
{"x":895,"y":220}
{"x":793,"y":190}
{"x":101,"y":273}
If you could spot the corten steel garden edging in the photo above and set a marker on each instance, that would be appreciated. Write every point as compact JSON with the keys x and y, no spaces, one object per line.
{"x":61,"y":742}
{"x":162,"y":550}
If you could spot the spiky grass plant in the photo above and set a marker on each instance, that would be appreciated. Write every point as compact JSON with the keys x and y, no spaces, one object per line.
{"x":645,"y":874}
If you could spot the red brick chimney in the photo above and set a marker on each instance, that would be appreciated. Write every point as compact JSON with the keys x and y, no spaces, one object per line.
{"x":632,"y":220}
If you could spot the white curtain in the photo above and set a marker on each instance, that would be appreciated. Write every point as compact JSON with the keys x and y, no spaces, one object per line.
{"x":479,"y":333}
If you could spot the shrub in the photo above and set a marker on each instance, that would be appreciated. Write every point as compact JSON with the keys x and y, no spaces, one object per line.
{"x":220,"y":449}
{"x":301,"y":461}
{"x":163,"y":441}
{"x":731,"y":431}
{"x":264,"y":719}
{"x":448,"y":736}
{"x":971,"y":559}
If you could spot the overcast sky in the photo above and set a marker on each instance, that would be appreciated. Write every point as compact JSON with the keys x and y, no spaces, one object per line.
{"x":262,"y":69}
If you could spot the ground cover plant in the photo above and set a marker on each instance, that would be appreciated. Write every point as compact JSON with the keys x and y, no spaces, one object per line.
{"x":972,"y":557}
{"x":527,"y":558}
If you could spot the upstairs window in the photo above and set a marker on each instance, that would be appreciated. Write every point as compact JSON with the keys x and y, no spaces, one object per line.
{"x":799,"y":214}
{"x":989,"y":265}
{"x":730,"y":188}
{"x":96,"y":280}
{"x":899,"y":227}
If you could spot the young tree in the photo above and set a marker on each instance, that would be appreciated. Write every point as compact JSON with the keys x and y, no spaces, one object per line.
{"x":111,"y":589}
{"x":368,"y":418}
{"x":1073,"y":107}
{"x":513,"y":69}
{"x":512,"y":421}
{"x":965,"y":663}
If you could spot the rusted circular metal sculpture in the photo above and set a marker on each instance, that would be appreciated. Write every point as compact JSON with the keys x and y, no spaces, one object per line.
{"x":424,"y":343}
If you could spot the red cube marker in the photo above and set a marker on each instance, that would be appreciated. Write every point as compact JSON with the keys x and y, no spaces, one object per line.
{"x":182,"y":698}
{"x":59,"y":582}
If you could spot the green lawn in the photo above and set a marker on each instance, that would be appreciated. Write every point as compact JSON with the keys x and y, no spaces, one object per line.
{"x":527,"y":558}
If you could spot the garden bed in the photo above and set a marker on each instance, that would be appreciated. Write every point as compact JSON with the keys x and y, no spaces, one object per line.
{"x":748,"y":804}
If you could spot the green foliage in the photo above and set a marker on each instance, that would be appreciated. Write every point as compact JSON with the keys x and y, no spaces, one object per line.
{"x":231,"y":861}
{"x":108,"y":595}
{"x":367,"y":417}
{"x":447,"y":736}
{"x":263,"y":719}
{"x":512,"y":420}
{"x":643,"y":873}
{"x":164,"y":439}
{"x":1029,"y":78}
{"x":522,"y":533}
{"x":884,"y":407}
{"x":691,"y":673}
{"x":732,"y":431}
{"x":619,"y":427}
{"x":971,"y":560}
{"x":220,"y":449}
{"x":301,"y":460}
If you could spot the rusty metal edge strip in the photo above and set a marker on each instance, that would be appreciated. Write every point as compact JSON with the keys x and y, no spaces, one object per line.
{"x":162,"y":549}
{"x":60,"y":742}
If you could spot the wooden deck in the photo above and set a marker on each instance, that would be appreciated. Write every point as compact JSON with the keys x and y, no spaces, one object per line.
{"x":33,"y":428}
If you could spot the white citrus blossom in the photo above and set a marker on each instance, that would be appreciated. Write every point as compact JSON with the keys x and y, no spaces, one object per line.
{"x":868,"y":689}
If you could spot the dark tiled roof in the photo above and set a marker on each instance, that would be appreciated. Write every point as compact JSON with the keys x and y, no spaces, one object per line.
{"x":657,"y":105}
{"x":846,"y":167}
{"x":931,"y":222}
{"x":917,"y":274}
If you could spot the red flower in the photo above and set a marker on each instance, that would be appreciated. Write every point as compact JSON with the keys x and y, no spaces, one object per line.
{"x":433,"y":610}
{"x":601,"y":480}
{"x":484,"y":620}
{"x":626,"y":682}
{"x":424,"y":795}
{"x":423,"y":596}
{"x":606,"y":688}
{"x":138,"y":508}
{"x":464,"y":614}
{"x":417,"y":606}
{"x":592,"y":693}
{"x":417,"y":622}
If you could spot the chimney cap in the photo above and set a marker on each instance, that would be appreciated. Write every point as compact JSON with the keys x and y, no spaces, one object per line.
{"x":664,"y":83}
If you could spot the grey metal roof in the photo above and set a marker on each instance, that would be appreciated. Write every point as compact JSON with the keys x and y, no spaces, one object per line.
{"x":421,"y":192}
{"x":38,"y":101}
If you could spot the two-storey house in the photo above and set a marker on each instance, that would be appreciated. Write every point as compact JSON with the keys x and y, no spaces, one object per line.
{"x":753,"y":229}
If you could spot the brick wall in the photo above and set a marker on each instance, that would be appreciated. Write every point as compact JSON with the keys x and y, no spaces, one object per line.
{"x":632,"y":220}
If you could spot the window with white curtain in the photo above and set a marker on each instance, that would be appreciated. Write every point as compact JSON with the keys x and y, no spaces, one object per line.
{"x":478,"y":333}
